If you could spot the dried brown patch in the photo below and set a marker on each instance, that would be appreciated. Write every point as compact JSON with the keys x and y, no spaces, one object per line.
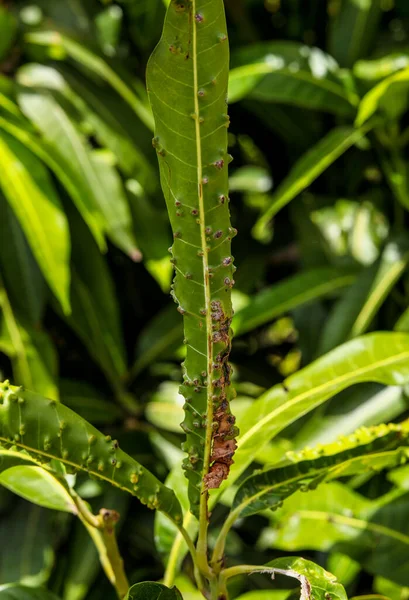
{"x":224,"y":429}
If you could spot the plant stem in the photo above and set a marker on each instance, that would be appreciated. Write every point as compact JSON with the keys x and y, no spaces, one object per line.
{"x":171,"y":567}
{"x":101,"y":528}
{"x":219,"y":547}
{"x":214,"y":590}
{"x":121,"y":582}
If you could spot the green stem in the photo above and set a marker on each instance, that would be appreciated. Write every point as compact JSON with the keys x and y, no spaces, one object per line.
{"x":171,"y":567}
{"x":121,"y":582}
{"x":215,"y":590}
{"x":218,"y":552}
{"x":102,"y":532}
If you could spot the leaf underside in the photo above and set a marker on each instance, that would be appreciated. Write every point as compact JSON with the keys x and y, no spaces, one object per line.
{"x":187,"y":85}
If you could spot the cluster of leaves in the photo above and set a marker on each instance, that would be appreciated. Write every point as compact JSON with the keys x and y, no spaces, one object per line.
{"x":319,"y":193}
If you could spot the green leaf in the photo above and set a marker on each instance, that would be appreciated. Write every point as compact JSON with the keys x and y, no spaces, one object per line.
{"x":108,"y":24}
{"x":305,"y":171}
{"x":314,"y":580}
{"x":150,"y":590}
{"x":148,"y":219}
{"x":381,"y":357}
{"x":98,"y":180}
{"x":33,"y":356}
{"x":353,"y":30}
{"x":114,"y":205}
{"x":389,"y":96}
{"x":372,"y":448}
{"x":112,"y":123}
{"x":374,"y":532}
{"x":165,"y":409}
{"x":287,"y":295}
{"x":8,"y":29}
{"x":89,"y":402}
{"x":290,"y":73}
{"x":168,"y":541}
{"x":39,"y":487}
{"x":64,"y":171}
{"x":62,"y":44}
{"x":27,"y":291}
{"x":29,"y":557}
{"x":191,"y":144}
{"x":21,"y":592}
{"x":379,"y":68}
{"x":360,"y":406}
{"x":355,"y":311}
{"x":31,"y":195}
{"x":48,"y":430}
{"x":265,"y":595}
{"x":95,"y":312}
{"x":160,"y":338}
{"x":94,"y":170}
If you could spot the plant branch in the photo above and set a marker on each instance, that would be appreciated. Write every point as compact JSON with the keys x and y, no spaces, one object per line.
{"x":218,"y":552}
{"x":102,"y":531}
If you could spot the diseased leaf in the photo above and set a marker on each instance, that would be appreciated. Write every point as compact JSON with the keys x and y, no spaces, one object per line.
{"x":290,"y":73}
{"x":48,"y":430}
{"x":32,"y":197}
{"x":305,"y":171}
{"x":360,"y":406}
{"x":380,"y":357}
{"x":191,"y":144}
{"x":372,"y":448}
{"x":314,"y":580}
{"x":374,"y":532}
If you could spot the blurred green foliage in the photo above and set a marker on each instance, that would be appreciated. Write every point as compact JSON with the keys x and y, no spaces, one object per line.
{"x":319,"y":105}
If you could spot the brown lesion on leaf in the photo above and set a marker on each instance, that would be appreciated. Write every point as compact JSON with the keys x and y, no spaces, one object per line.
{"x":224,"y":429}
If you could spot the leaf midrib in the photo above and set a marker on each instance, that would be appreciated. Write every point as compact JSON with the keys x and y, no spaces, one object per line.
{"x":350,"y":375}
{"x":206,"y":280}
{"x":354,"y":522}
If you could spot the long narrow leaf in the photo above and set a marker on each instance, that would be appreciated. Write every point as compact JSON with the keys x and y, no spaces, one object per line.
{"x":34,"y":201}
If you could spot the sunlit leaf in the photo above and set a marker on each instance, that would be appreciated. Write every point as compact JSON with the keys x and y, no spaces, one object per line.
{"x":31,"y":195}
{"x":290,"y":73}
{"x":305,"y":171}
{"x":38,"y":486}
